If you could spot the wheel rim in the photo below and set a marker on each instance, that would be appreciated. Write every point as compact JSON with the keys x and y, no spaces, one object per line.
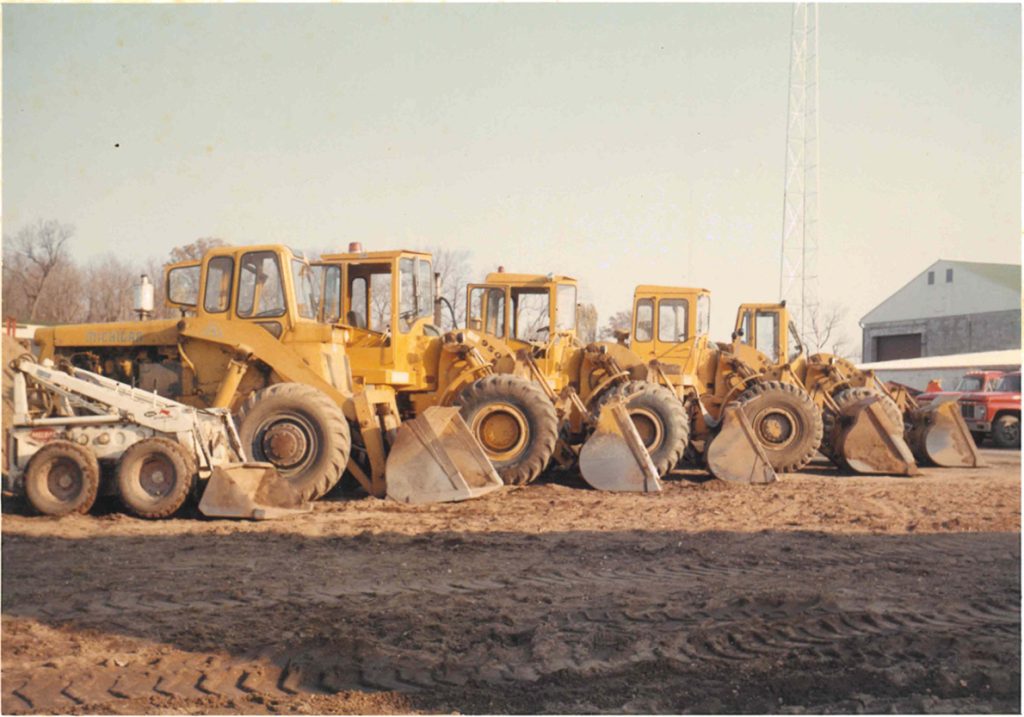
{"x":64,"y":480}
{"x":289,"y":443}
{"x":1011,"y":432}
{"x":157,"y":476}
{"x":649,"y":427}
{"x":502,"y":431}
{"x":776,"y":427}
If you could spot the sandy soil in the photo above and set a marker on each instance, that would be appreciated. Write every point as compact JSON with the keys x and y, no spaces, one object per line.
{"x":818,"y":593}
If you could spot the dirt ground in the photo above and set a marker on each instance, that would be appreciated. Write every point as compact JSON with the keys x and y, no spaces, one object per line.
{"x":818,"y":593}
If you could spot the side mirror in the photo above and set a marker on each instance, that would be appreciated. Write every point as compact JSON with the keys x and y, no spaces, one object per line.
{"x":737,"y":334}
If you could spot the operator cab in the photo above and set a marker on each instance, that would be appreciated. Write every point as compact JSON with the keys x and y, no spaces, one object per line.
{"x":768,"y":329}
{"x":528,"y":308}
{"x":383,"y":292}
{"x":269,"y":285}
{"x":667,"y":320}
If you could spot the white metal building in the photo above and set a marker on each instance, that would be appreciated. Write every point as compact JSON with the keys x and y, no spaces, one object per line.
{"x":952,"y":307}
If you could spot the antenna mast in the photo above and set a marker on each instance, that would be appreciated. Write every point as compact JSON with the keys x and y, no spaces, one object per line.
{"x":798,"y":276}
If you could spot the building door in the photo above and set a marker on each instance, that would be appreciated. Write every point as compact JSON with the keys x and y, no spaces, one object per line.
{"x":901,"y":346}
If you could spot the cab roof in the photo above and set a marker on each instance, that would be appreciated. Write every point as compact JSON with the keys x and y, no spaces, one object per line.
{"x":386,"y":255}
{"x":656,"y":289}
{"x":503,"y":277}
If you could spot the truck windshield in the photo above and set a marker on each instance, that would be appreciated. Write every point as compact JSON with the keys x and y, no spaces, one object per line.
{"x":1010,"y":384}
{"x":970,"y":383}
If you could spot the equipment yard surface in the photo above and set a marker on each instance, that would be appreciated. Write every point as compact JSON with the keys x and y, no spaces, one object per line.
{"x":818,"y":593}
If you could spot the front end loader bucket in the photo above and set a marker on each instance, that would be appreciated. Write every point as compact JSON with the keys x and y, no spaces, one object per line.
{"x":614,"y":457}
{"x":939,"y":435}
{"x":435,"y":459}
{"x":250,"y":490}
{"x":869,"y":440}
{"x":734,"y":455}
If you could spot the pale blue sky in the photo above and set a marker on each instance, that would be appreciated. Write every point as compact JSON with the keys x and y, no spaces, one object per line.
{"x":623,"y":144}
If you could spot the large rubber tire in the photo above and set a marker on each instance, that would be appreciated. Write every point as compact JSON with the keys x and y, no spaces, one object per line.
{"x":301,"y":431}
{"x":660,"y":419}
{"x":830,"y":422}
{"x":62,"y":478}
{"x":786,"y":423}
{"x":154,"y":477}
{"x":514,"y":422}
{"x":1006,"y":431}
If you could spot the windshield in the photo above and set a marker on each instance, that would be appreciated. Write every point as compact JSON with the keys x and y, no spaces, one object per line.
{"x":703,"y":315}
{"x":532,"y":312}
{"x":307,"y":291}
{"x":969,"y":383}
{"x":565,"y":308}
{"x":1010,"y":384}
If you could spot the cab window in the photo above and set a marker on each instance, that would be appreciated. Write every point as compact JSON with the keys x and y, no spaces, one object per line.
{"x":795,"y":347}
{"x":474,"y":319}
{"x":495,"y":313}
{"x":217,"y":291}
{"x":183,"y":285}
{"x":767,"y":330}
{"x":672,"y":320}
{"x":565,"y":307}
{"x":532,"y":313}
{"x":406,"y":295}
{"x":643,"y":331}
{"x":367,"y":297}
{"x":260,"y":291}
{"x":332,"y":294}
{"x":703,"y":315}
{"x":746,"y":332}
{"x":307,"y":291}
{"x":424,"y":288}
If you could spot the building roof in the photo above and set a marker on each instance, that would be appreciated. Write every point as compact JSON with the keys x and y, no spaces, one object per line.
{"x":977,"y":287}
{"x":1004,"y":359}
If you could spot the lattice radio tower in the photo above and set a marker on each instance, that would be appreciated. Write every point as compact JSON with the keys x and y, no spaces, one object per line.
{"x":798,"y":277}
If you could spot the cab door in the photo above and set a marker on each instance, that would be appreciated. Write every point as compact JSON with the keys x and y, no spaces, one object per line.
{"x":762,"y":327}
{"x":487,"y":309}
{"x":662,"y":327}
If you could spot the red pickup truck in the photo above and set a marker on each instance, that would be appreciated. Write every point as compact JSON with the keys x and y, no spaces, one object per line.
{"x":972,"y":381}
{"x":995,"y":413}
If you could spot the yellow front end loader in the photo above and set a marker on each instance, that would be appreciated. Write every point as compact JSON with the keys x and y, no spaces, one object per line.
{"x":387,"y":302}
{"x":251,"y":339}
{"x":867,"y":425}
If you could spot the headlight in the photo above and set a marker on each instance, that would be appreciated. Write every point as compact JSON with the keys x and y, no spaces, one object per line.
{"x":979,"y":411}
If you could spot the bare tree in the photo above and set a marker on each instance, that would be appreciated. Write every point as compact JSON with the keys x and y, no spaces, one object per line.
{"x":824,"y":332}
{"x":586,"y":322}
{"x":454,"y":268}
{"x":32,"y":259}
{"x":195,"y":250}
{"x":111,"y":286}
{"x":619,"y":321}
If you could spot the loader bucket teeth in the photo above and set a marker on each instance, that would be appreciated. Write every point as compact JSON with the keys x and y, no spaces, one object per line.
{"x":939,"y":435}
{"x":870,"y":442}
{"x":614,"y":457}
{"x":435,"y":459}
{"x":734,"y":455}
{"x":250,"y":490}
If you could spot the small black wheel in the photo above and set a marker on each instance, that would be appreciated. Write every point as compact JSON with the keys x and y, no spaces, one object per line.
{"x":62,"y":478}
{"x":786,"y":423}
{"x":299,"y":430}
{"x":514,"y":422}
{"x":1006,"y":431}
{"x":659,"y":417}
{"x":154,"y":477}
